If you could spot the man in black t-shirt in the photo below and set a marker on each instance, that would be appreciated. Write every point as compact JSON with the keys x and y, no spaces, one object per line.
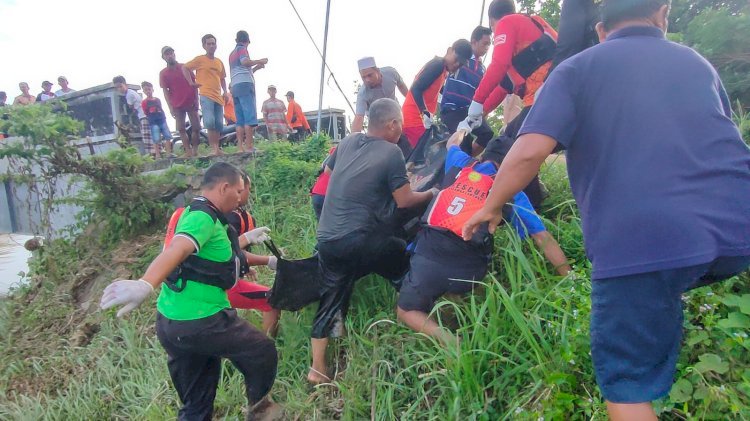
{"x":356,"y":229}
{"x":577,"y":29}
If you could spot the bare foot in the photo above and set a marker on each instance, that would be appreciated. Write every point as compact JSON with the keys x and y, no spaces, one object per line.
{"x":315,"y":377}
{"x":447,"y":338}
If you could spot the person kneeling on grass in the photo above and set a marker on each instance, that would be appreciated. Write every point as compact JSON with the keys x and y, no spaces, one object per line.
{"x":195,"y":323}
{"x":442,"y":262}
{"x":244,"y":294}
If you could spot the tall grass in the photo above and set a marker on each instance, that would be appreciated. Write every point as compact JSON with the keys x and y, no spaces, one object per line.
{"x":523,"y":354}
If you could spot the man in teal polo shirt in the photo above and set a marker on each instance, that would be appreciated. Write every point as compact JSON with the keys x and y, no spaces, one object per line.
{"x":195,"y":323}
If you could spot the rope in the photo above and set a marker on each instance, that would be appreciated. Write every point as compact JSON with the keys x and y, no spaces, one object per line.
{"x":481,"y":14}
{"x":321,"y":56}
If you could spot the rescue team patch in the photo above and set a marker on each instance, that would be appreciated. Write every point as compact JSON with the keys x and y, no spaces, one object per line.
{"x":475,"y":177}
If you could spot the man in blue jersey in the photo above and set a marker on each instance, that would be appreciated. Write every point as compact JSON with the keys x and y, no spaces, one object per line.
{"x":441,"y":261}
{"x":459,"y":90}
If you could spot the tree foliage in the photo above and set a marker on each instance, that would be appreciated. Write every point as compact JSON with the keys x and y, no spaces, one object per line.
{"x":723,"y":37}
{"x":44,"y":157}
{"x":547,"y":9}
{"x":684,"y":11}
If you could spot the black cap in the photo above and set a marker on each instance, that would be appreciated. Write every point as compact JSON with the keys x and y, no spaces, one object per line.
{"x":497,"y":149}
{"x":462,"y":48}
{"x":290,"y":93}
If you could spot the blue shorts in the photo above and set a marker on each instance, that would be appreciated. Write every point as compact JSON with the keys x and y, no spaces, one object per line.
{"x":213,"y":114}
{"x":158,"y":130}
{"x":244,"y":104}
{"x":244,"y":108}
{"x":636,"y":327}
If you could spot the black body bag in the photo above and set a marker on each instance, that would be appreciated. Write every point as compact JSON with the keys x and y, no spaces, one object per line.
{"x":297,"y":283}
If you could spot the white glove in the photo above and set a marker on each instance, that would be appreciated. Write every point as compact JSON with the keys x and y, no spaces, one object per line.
{"x":257,"y":236}
{"x":465,"y":126}
{"x":128,"y":292}
{"x":476,"y":110}
{"x":470,"y":122}
{"x":427,"y":120}
{"x":272,"y":262}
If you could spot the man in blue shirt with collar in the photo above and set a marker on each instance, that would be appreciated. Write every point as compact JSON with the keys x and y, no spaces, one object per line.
{"x":459,"y":90}
{"x":661,"y":176}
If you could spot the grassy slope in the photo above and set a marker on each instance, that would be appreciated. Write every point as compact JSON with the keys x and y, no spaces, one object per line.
{"x":524,"y":351}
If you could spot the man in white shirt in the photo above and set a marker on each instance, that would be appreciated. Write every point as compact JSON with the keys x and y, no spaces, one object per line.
{"x":64,"y":88}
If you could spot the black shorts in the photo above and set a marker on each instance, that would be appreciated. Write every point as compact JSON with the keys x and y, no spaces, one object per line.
{"x":429,"y":279}
{"x":317,"y":204}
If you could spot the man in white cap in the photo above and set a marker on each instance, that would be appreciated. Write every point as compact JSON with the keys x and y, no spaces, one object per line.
{"x":274,"y":115}
{"x":376,"y":83}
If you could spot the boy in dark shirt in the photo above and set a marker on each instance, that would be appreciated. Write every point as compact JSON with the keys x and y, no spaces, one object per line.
{"x":157,"y":120}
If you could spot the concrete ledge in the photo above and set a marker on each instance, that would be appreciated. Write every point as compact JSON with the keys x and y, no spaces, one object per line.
{"x":239,"y":159}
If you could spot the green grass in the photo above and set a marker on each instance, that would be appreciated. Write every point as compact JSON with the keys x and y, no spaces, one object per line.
{"x":524,"y":352}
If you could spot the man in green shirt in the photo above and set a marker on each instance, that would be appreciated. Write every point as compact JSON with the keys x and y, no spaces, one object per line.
{"x":195,"y":323}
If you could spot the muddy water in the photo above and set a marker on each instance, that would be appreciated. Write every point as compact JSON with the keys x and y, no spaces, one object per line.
{"x":13,"y":259}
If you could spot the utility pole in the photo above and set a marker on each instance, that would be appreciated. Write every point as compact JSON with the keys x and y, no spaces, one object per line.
{"x":323,"y":66}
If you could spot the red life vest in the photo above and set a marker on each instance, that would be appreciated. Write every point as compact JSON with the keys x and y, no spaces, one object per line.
{"x":321,"y":184}
{"x":246,"y":220}
{"x":246,"y":224}
{"x":454,"y":205}
{"x":171,"y":226}
{"x":531,"y":59}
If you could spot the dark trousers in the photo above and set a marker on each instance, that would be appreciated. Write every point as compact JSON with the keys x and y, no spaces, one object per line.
{"x":344,"y":261}
{"x":317,"y":204}
{"x":301,"y":134}
{"x":195,"y":349}
{"x":534,"y":189}
{"x":481,"y":135}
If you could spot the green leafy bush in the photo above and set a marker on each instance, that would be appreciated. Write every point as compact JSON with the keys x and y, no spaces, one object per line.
{"x":117,"y":196}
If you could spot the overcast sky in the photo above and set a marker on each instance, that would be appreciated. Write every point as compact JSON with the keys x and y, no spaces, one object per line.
{"x":89,"y":42}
